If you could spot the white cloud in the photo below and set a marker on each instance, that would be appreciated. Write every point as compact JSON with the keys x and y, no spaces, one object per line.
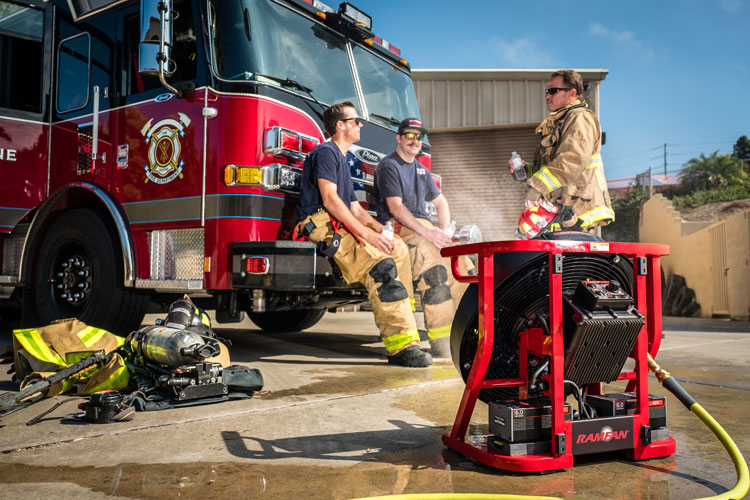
{"x":625,"y":39}
{"x":521,"y":53}
{"x":731,"y":6}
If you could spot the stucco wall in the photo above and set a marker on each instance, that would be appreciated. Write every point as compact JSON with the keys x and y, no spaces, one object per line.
{"x":692,"y":254}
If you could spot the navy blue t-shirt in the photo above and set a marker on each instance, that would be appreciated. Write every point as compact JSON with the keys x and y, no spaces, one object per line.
{"x":324,"y":162}
{"x":411,"y":182}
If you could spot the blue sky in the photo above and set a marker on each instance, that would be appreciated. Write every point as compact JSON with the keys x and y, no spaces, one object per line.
{"x":679,"y":70}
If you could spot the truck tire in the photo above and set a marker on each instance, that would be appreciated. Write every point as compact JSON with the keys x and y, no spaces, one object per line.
{"x":286,"y":321}
{"x":79,"y":256}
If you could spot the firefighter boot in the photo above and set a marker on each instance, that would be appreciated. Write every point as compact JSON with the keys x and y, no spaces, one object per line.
{"x":412,"y":357}
{"x":440,"y":348}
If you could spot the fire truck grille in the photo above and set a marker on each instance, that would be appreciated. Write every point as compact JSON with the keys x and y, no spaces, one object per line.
{"x":12,"y":249}
{"x":85,"y":142}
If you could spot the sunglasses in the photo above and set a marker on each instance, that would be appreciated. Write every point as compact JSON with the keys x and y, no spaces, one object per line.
{"x":413,"y":135}
{"x":356,"y":119}
{"x":554,"y":90}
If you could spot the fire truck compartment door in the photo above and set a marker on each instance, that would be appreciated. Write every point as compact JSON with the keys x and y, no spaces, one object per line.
{"x":284,"y":265}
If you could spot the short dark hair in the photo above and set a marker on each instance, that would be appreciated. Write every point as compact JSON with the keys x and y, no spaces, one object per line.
{"x":333,"y":114}
{"x":571,"y":79}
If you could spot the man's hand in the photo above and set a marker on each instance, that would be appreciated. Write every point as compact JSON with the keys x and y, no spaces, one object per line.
{"x":438,"y":238}
{"x":512,"y":169}
{"x":532,"y":197}
{"x":382,"y":243}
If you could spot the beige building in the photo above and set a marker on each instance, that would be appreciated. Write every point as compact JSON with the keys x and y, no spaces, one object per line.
{"x":713,"y":257}
{"x":477,"y":118}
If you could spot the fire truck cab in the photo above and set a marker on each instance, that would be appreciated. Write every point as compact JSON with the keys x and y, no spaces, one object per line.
{"x":153,"y":149}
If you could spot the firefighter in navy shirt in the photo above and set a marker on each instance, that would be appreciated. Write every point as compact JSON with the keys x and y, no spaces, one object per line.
{"x":330,"y":213}
{"x":403,"y":186}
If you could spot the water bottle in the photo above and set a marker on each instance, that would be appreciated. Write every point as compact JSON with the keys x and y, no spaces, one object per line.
{"x":519,"y":171}
{"x":388,"y":230}
{"x":450,"y":229}
{"x":468,"y":234}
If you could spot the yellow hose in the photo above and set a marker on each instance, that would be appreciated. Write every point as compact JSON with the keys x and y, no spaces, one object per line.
{"x":743,"y":478}
{"x":458,"y":496}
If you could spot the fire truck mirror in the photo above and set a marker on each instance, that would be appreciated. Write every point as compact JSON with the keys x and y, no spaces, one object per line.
{"x":152,"y":49}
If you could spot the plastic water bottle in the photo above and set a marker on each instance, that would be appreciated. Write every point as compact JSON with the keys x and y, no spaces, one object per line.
{"x":468,"y":234}
{"x":518,"y":169}
{"x":450,"y":229}
{"x":388,"y":230}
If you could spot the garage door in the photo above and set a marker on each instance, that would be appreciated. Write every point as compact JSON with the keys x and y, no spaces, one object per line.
{"x":473,"y":166}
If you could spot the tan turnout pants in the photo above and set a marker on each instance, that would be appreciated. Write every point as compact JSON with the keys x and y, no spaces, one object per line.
{"x":387,"y":279}
{"x":433,"y":279}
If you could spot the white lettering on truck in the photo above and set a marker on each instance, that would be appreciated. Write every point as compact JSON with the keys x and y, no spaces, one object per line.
{"x":7,"y":154}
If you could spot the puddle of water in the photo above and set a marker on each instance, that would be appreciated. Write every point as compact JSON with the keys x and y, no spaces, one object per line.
{"x":439,"y":472}
{"x":365,"y":379}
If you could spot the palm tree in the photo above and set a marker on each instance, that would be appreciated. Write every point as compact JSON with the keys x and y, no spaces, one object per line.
{"x":712,"y":172}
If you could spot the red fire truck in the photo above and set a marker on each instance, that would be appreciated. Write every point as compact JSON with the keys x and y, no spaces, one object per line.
{"x":153,"y":149}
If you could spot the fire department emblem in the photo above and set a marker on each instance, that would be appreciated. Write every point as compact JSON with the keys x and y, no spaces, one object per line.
{"x":164,"y":148}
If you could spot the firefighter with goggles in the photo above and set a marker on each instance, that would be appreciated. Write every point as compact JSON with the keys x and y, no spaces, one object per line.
{"x":403,"y":186}
{"x":567,"y":189}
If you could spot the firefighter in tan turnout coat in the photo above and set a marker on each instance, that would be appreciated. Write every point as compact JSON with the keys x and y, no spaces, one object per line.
{"x":568,"y":168}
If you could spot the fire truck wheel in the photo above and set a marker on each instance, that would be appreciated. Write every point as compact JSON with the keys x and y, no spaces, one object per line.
{"x":79,"y":274}
{"x":286,"y":321}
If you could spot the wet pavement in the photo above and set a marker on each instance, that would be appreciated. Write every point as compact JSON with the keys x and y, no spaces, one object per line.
{"x":335,"y":421}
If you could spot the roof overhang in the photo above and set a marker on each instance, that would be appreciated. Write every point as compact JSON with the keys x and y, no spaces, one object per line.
{"x":500,"y":74}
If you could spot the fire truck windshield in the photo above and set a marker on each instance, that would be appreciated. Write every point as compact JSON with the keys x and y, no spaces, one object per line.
{"x":388,"y":90}
{"x":262,"y":40}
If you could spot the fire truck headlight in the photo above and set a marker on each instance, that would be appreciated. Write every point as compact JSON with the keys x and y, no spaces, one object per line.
{"x":290,"y":178}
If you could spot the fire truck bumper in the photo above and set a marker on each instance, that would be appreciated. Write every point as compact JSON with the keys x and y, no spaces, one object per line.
{"x":283,"y":265}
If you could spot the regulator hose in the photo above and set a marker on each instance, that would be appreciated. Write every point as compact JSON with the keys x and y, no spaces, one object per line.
{"x":663,"y":376}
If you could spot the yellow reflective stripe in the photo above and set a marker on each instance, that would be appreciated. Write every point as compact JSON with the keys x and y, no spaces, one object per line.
{"x":116,"y":381}
{"x":439,"y":333}
{"x":33,"y":343}
{"x":90,"y":335}
{"x":67,"y":385}
{"x":599,"y":174}
{"x":546,"y":178}
{"x":595,"y":215}
{"x":400,"y":340}
{"x":413,"y":305}
{"x":595,"y":161}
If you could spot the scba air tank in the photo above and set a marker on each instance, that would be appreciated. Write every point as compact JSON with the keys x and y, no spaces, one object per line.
{"x":173,"y":347}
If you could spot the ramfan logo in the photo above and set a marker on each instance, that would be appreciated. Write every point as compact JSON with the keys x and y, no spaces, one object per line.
{"x":606,"y":434}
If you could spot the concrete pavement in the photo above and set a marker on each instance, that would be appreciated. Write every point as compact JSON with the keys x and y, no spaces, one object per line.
{"x":336,"y":421}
